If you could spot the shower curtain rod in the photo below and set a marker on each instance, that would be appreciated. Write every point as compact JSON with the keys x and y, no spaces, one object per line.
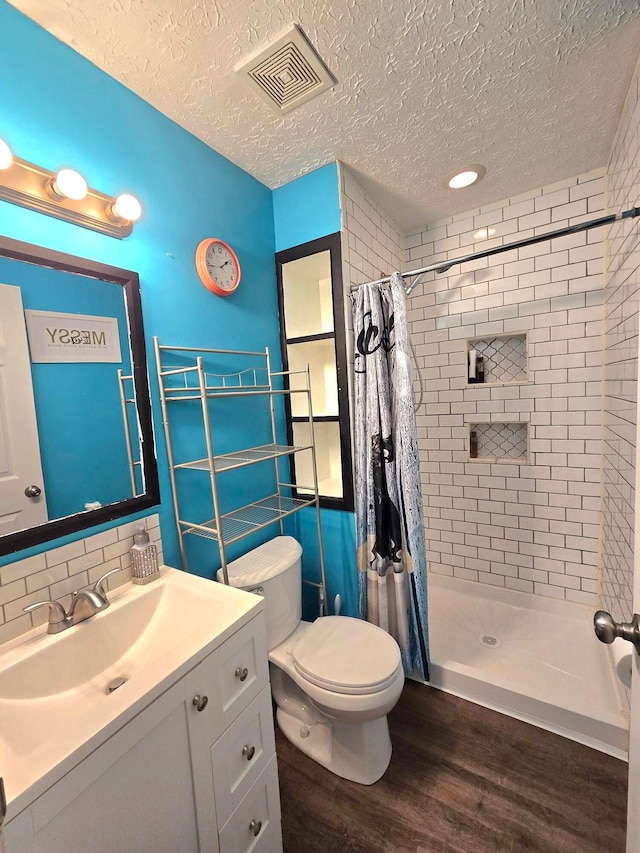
{"x":443,"y":266}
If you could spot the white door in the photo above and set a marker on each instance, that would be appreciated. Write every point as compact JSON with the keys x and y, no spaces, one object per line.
{"x":633,"y":802}
{"x":20,"y":466}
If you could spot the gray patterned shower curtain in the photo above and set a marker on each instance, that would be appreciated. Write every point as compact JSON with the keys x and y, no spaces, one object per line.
{"x":390,"y":536}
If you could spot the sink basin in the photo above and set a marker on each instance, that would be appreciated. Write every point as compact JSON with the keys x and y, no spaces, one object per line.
{"x":119,"y":641}
{"x":54,"y":699}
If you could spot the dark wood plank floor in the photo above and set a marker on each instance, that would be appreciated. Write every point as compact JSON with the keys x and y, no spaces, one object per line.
{"x":462,"y":779}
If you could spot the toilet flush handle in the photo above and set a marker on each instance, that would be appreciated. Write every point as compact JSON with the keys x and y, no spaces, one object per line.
{"x":607,"y":629}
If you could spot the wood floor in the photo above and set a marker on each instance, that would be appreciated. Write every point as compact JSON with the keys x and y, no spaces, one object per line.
{"x":462,"y":779}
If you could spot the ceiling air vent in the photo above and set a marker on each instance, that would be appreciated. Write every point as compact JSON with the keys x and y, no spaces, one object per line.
{"x":287,"y":72}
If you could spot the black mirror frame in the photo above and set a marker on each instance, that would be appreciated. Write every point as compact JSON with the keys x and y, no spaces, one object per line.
{"x":40,"y":256}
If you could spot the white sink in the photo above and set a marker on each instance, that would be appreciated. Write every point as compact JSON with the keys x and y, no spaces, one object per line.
{"x":53,"y":688}
{"x":126,"y":638}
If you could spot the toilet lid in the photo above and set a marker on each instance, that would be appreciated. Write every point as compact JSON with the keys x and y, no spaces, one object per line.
{"x":346,"y":655}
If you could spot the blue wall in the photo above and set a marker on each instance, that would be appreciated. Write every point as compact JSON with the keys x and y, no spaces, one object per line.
{"x":307,"y":208}
{"x":304,"y":210}
{"x":58,"y":109}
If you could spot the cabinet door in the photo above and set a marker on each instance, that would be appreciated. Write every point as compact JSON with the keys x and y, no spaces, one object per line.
{"x":231,"y":677}
{"x":241,"y":754}
{"x":255,"y":826}
{"x":313,"y":333}
{"x":136,"y":792}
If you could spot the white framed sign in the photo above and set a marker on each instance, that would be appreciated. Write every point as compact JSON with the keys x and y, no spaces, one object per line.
{"x":57,"y":337}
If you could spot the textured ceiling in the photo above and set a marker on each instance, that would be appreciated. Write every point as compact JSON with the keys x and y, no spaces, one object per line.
{"x":532,"y":89}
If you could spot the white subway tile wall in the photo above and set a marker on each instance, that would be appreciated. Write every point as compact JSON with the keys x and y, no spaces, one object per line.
{"x":531,"y":527}
{"x":621,"y":363}
{"x":54,"y":575}
{"x":372,"y":247}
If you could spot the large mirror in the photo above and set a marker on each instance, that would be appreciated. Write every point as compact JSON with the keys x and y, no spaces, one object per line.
{"x":76,"y":441}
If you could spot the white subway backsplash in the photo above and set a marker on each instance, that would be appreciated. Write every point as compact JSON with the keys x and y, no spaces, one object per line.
{"x":55,"y":574}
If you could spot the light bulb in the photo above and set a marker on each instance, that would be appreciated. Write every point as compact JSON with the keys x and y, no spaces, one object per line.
{"x":6,"y":157}
{"x":70,"y":184}
{"x":128,"y":207}
{"x":465,"y":177}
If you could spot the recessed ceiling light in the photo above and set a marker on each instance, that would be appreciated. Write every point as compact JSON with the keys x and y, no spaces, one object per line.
{"x":465,"y":177}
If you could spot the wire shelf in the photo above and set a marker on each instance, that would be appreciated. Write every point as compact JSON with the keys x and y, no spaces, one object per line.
{"x":242,"y":522}
{"x":241,"y":458}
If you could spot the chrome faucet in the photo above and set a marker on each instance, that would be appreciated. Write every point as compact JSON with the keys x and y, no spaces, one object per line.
{"x":84,"y":604}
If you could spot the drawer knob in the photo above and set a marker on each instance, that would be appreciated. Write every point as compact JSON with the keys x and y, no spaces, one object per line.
{"x":241,"y":672}
{"x":248,"y":751}
{"x":200,"y":702}
{"x":255,"y":826}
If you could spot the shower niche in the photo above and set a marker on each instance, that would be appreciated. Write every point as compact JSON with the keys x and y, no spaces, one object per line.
{"x":498,"y":441}
{"x":497,"y":360}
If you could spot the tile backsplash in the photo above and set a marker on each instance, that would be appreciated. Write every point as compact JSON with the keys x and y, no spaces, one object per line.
{"x":54,"y":575}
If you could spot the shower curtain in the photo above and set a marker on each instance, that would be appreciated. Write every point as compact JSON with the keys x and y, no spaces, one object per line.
{"x":390,"y":538}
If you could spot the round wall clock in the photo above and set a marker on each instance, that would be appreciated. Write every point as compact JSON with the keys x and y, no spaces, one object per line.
{"x":218,"y":266}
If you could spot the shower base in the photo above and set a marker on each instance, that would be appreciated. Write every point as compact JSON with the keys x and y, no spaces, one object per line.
{"x":533,"y":658}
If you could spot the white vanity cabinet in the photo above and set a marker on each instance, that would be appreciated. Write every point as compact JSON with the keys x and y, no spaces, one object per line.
{"x":193,"y":772}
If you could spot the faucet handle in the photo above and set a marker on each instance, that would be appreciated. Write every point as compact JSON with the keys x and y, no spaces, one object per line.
{"x":57,"y":613}
{"x":98,"y":585}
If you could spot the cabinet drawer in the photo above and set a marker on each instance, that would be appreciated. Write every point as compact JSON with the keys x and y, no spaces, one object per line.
{"x":259,"y":812}
{"x":242,"y":753}
{"x":232,"y":676}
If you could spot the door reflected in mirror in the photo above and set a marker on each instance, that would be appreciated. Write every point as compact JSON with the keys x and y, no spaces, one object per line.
{"x":75,"y":421}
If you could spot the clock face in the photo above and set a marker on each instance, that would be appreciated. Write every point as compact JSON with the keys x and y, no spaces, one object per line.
{"x":217,"y":266}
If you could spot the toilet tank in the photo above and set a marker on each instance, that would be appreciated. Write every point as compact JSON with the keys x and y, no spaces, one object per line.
{"x":276,"y":567}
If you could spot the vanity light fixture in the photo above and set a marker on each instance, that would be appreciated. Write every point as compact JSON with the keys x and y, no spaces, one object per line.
{"x":67,"y":184}
{"x":6,"y":157}
{"x":65,"y":195}
{"x":461,"y":178}
{"x":125,"y":208}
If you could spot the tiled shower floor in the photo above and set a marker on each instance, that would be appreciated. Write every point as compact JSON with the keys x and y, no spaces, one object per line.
{"x":534,"y":658}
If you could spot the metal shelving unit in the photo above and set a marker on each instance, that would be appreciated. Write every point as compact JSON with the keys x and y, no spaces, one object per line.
{"x":192,"y":380}
{"x":127,"y":400}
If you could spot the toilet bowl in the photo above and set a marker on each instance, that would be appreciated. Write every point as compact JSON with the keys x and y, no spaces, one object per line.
{"x":333,"y":680}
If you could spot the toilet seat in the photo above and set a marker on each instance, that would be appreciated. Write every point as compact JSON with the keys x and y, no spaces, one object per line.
{"x":346,"y":655}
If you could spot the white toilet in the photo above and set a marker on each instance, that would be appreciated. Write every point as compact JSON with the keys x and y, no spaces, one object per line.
{"x":334,"y":680}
